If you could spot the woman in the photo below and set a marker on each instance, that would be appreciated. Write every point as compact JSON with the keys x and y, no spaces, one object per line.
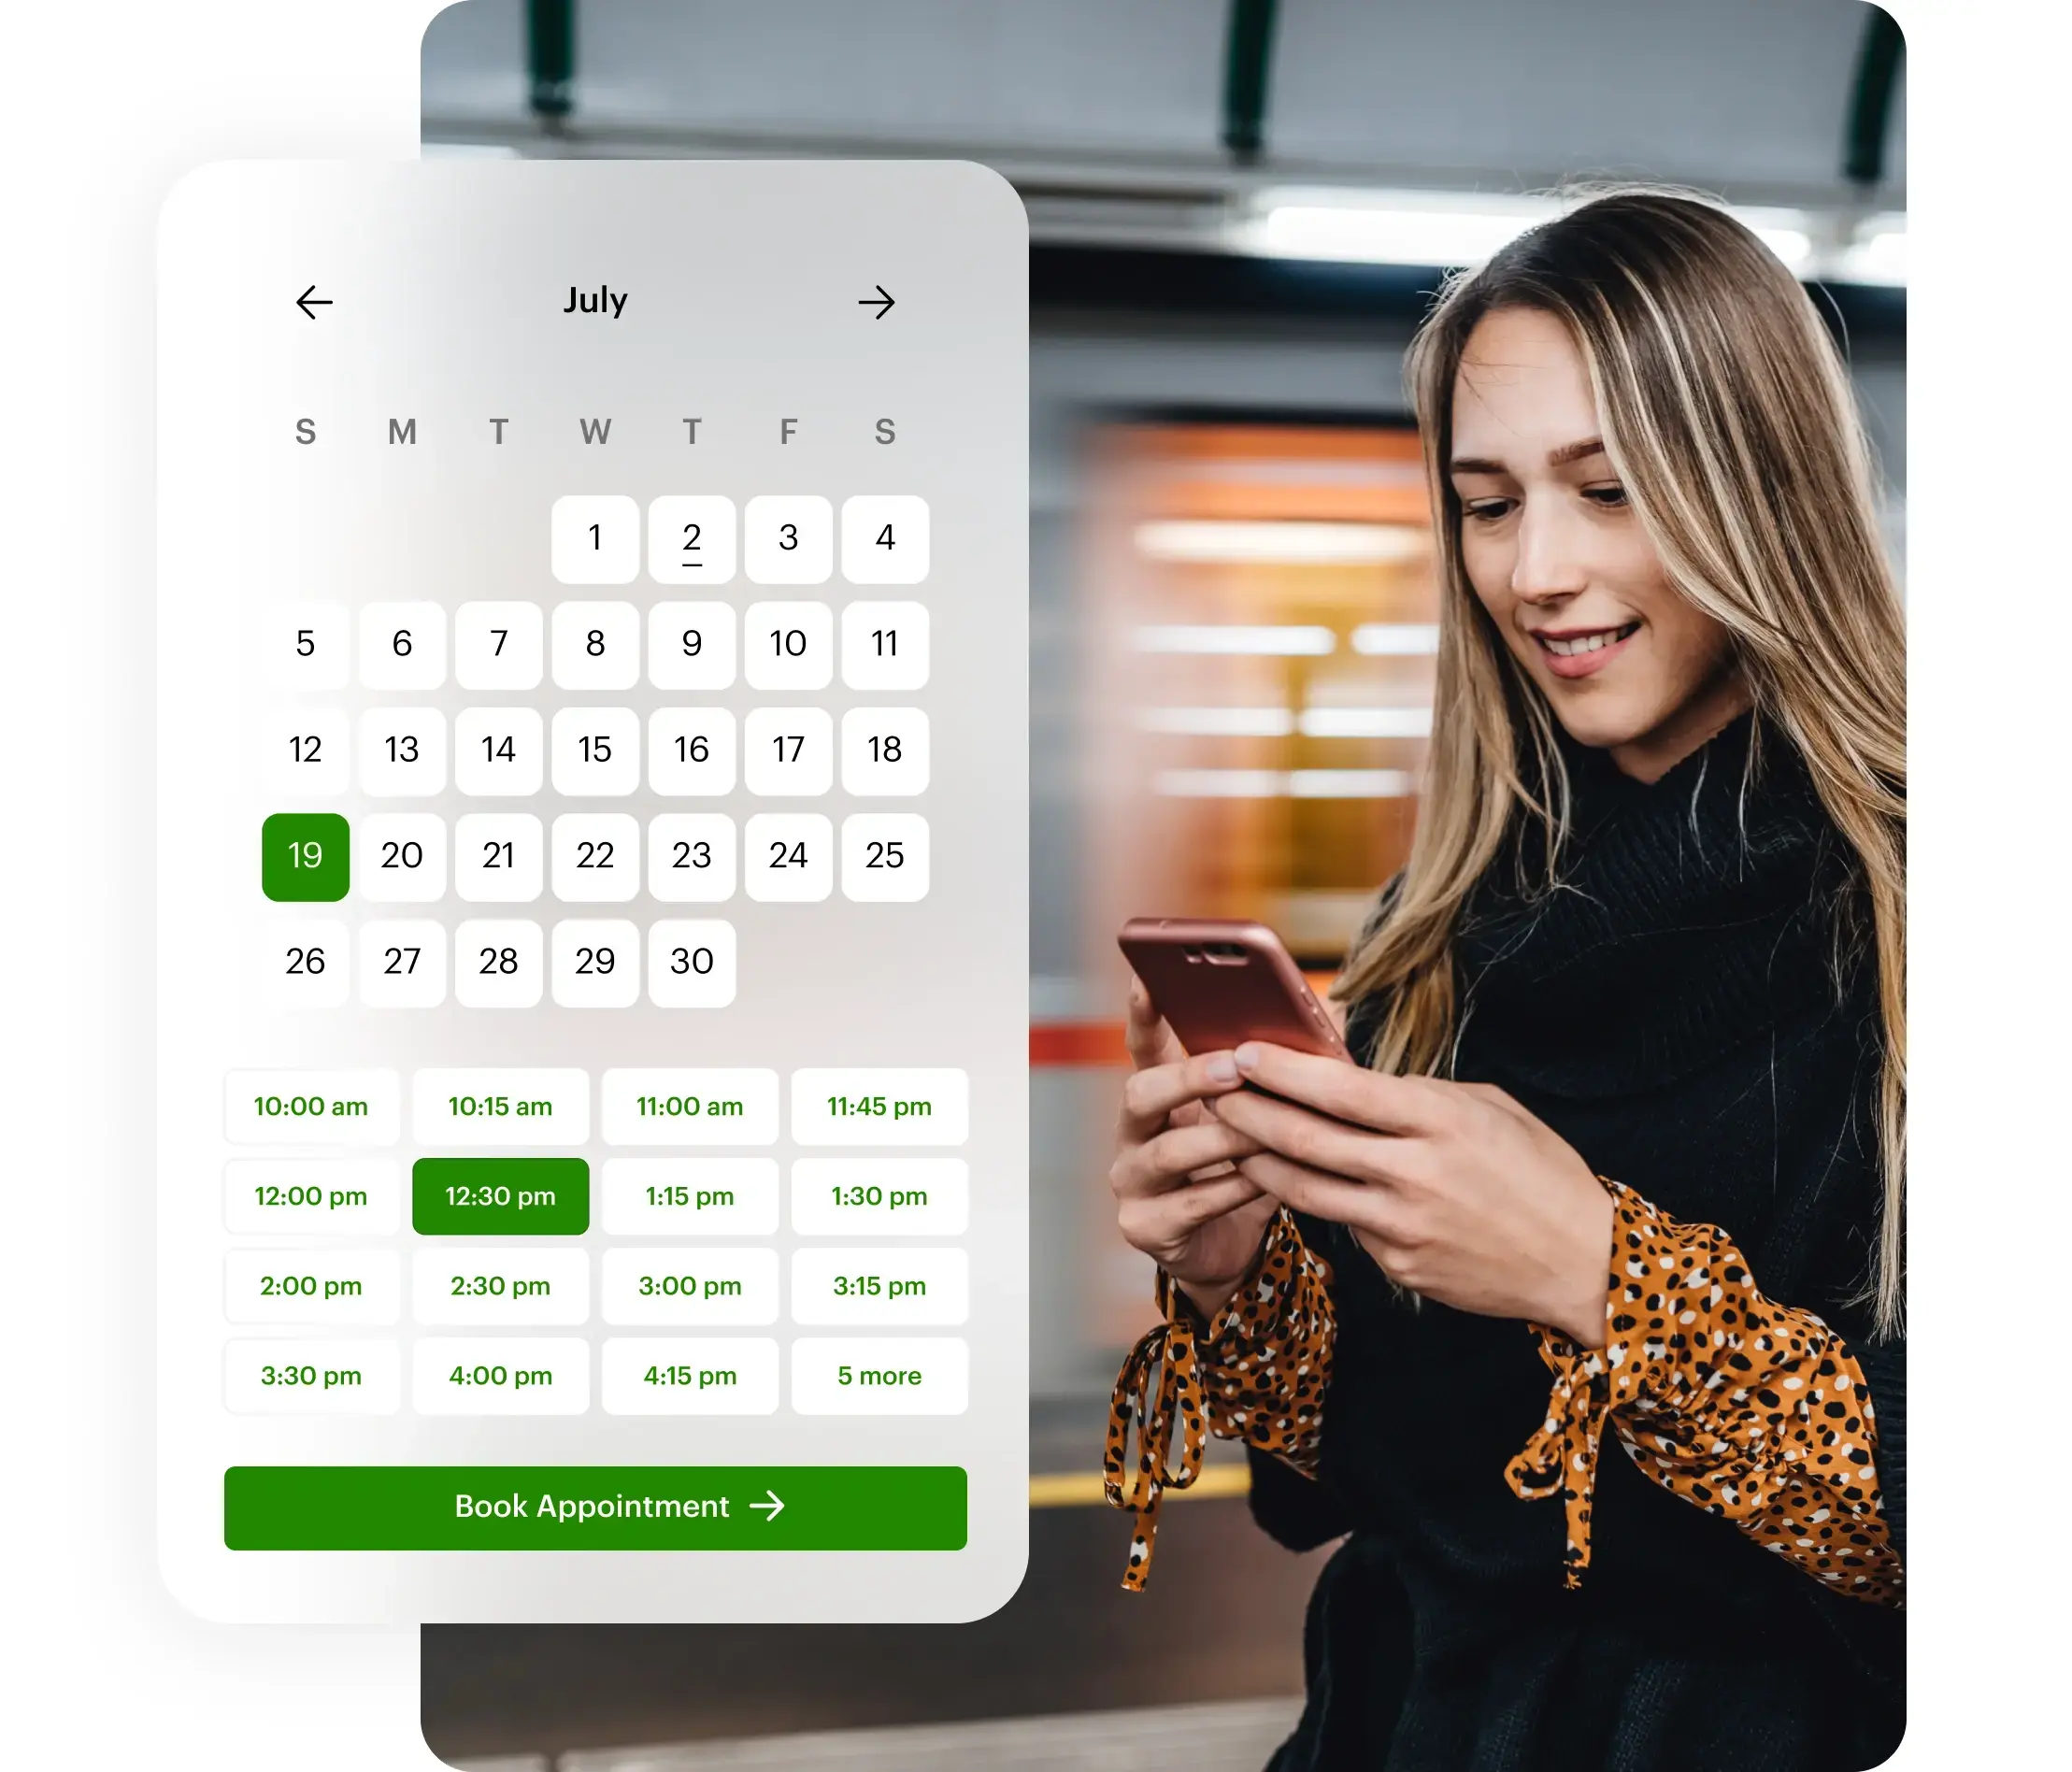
{"x":1625,"y":1147}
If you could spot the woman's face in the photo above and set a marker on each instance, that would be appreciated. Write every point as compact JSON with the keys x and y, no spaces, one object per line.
{"x":1560,"y":561}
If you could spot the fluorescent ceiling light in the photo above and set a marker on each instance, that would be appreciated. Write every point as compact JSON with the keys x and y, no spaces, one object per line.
{"x":1221,"y":784}
{"x":1396,"y":640}
{"x":1365,"y":722}
{"x":1266,"y":642}
{"x":1389,"y":227}
{"x":1277,"y":785}
{"x":1452,"y":228}
{"x":1350,"y":784}
{"x":1220,"y":723}
{"x":1292,"y":544}
{"x":1877,"y":254}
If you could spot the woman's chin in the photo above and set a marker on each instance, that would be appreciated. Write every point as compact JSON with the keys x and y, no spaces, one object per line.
{"x":1598,"y":727}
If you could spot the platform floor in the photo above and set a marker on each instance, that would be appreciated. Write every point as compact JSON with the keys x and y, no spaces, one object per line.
{"x":1219,"y":1624}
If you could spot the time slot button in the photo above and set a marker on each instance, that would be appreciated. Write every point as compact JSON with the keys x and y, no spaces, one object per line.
{"x":500,"y":1107}
{"x":880,"y":1376}
{"x":302,"y":1285}
{"x":312,"y":1108}
{"x":880,"y":1107}
{"x":312,"y":1377}
{"x":880,"y":1286}
{"x":525,"y":1374}
{"x":690,"y":1286}
{"x":689,"y":1106}
{"x":504,"y":1287}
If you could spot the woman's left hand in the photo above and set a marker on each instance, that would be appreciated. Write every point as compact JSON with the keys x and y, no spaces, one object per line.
{"x":1456,"y":1191}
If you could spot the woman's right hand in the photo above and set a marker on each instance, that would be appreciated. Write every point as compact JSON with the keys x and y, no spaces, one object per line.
{"x":1179,"y":1195}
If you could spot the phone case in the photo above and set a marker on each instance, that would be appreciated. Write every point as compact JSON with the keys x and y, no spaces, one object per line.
{"x":1219,"y":981}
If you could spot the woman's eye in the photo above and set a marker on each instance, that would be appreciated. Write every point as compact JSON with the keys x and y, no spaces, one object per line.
{"x":1488,"y":511}
{"x":1610,"y":497}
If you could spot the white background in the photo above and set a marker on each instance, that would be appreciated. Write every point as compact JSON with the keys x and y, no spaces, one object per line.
{"x":108,"y":102}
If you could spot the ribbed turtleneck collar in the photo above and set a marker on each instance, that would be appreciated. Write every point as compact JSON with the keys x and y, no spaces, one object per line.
{"x":1690,"y":916}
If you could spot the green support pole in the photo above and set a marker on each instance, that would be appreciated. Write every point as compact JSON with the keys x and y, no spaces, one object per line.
{"x":551,"y":57}
{"x":1870,"y":100}
{"x":1246,"y":55}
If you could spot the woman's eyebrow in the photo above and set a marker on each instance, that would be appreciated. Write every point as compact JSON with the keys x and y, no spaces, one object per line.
{"x":1568,"y":452}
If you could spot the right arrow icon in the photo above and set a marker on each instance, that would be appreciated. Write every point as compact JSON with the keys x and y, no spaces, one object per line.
{"x":884,"y":303}
{"x":772,"y":1506}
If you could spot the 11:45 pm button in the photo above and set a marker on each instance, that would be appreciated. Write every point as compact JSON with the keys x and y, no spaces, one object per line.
{"x":874,"y":1107}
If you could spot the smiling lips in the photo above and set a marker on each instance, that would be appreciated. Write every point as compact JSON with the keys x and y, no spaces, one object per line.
{"x":1580,"y":652}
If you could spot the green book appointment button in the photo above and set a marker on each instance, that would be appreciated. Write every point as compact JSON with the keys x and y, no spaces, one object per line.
{"x":500,"y":1197}
{"x":595,"y":1508}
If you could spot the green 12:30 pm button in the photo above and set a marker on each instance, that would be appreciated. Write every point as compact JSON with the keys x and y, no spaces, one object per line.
{"x":595,"y":1508}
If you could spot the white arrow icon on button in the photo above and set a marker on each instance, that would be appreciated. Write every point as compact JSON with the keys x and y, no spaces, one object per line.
{"x":774,"y":1505}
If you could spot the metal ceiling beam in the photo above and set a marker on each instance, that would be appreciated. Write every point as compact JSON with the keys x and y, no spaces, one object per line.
{"x":1870,"y":98}
{"x":1248,"y":55}
{"x":551,"y":58}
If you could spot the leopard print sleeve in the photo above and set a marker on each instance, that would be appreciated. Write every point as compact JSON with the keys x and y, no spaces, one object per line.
{"x":1256,"y":1374}
{"x":1755,"y":1413}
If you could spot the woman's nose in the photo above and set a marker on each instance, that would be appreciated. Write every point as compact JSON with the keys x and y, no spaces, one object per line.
{"x":1549,"y":560}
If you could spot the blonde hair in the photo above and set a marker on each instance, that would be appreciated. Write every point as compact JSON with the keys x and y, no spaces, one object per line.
{"x":1727,"y":414}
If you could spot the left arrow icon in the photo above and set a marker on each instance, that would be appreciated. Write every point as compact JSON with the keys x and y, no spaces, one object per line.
{"x":309,"y":301}
{"x":772,"y":1506}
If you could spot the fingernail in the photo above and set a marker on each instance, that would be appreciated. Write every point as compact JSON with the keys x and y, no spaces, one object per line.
{"x":1222,"y":1068}
{"x":1247,"y":1056}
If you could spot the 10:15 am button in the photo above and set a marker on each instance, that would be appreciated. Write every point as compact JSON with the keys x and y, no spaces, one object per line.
{"x":501,"y":1106}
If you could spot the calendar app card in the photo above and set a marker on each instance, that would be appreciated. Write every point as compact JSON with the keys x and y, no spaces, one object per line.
{"x":592,"y":892}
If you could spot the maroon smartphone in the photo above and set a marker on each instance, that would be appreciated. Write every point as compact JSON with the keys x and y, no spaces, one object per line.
{"x":1219,"y":982}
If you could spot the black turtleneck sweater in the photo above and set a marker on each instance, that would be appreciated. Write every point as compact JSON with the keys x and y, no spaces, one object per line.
{"x":1673,"y":1010}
